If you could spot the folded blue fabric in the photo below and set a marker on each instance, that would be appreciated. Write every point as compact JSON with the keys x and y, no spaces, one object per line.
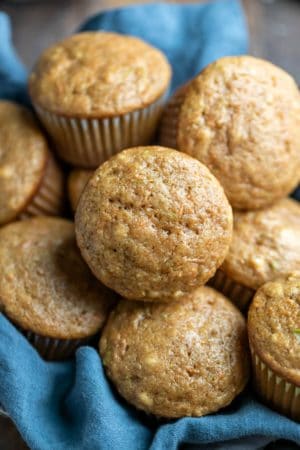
{"x":12,"y":72}
{"x":64,"y":406}
{"x":190,"y":35}
{"x":71,"y":405}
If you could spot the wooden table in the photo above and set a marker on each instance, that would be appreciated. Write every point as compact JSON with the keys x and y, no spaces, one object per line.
{"x":274,"y":32}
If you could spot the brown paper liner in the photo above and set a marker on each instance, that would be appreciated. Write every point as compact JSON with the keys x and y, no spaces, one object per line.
{"x":87,"y":143}
{"x":49,"y":199}
{"x":274,"y":390}
{"x":240,"y":295}
{"x":169,"y":121}
{"x":54,"y":349}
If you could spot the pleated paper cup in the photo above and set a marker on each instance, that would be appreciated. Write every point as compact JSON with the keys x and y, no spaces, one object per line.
{"x":240,"y":295}
{"x":88,"y":142}
{"x":49,"y":199}
{"x":169,"y":122}
{"x":52,"y":349}
{"x":274,"y":390}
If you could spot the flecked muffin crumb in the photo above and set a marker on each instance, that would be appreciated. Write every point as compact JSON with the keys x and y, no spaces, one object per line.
{"x":241,"y":118}
{"x":99,"y":74}
{"x":179,"y":359}
{"x":274,"y":326}
{"x":24,"y":154}
{"x":45,"y":285}
{"x":265,"y":244}
{"x":153,"y":224}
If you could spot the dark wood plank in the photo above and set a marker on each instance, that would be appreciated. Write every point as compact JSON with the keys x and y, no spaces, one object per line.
{"x":274,"y":30}
{"x":38,"y":24}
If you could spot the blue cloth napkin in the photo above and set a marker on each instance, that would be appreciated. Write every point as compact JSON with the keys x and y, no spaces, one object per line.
{"x":190,"y":35}
{"x":12,"y":72}
{"x":71,"y":405}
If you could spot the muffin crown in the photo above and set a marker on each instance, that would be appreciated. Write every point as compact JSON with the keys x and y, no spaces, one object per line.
{"x":45,"y":285}
{"x":179,"y":359}
{"x":274,"y":326}
{"x":24,"y":155}
{"x":241,"y":118}
{"x":153,"y":223}
{"x":265,"y":244}
{"x":99,"y":74}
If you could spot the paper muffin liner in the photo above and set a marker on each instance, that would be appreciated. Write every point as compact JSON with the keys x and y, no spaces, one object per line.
{"x":240,"y":295}
{"x":169,"y":122}
{"x":88,"y":142}
{"x":274,"y":390}
{"x":49,"y":199}
{"x":52,"y":349}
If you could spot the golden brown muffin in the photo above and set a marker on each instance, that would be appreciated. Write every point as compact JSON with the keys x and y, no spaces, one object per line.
{"x":265,"y":245}
{"x":31,"y":183}
{"x":274,"y":335}
{"x":153,"y":224}
{"x":180,"y":359}
{"x":241,"y":118}
{"x":98,"y":93}
{"x":46,"y":288}
{"x":77,"y":181}
{"x":99,"y":74}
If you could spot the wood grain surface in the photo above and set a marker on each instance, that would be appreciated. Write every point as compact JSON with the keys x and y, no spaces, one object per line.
{"x":274,"y":27}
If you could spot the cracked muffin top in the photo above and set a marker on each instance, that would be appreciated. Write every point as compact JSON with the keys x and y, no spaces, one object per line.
{"x":241,"y":118}
{"x":179,"y":359}
{"x":99,"y":74}
{"x":265,"y":244}
{"x":274,"y":326}
{"x":153,"y":224}
{"x":24,"y":155}
{"x":45,"y":285}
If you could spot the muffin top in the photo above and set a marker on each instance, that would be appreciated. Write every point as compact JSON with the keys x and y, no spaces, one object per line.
{"x":241,"y":118}
{"x":274,"y":326}
{"x":179,"y":359}
{"x":23,"y":158}
{"x":77,"y":181}
{"x":265,"y":244}
{"x":99,"y":74}
{"x":153,"y":223}
{"x":45,"y":285}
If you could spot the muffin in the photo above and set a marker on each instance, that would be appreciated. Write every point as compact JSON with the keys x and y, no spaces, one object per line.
{"x":98,"y":93}
{"x":241,"y":118}
{"x":46,"y":289}
{"x":153,"y":224}
{"x":77,"y":181}
{"x":274,"y":336}
{"x":265,"y":245}
{"x":179,"y":359}
{"x":31,"y":183}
